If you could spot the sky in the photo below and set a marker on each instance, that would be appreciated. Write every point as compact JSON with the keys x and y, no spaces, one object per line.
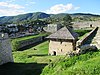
{"x":16,"y":7}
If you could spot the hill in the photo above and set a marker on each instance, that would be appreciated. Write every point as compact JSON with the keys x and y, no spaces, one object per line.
{"x":41,"y":15}
{"x":28,"y":16}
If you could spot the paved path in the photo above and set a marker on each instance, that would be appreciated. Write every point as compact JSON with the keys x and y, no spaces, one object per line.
{"x":96,"y":39}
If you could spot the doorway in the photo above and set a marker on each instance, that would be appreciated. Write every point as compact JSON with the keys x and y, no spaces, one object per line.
{"x":90,"y":25}
{"x":54,"y":53}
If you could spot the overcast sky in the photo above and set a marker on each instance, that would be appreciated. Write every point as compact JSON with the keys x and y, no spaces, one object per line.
{"x":15,"y":7}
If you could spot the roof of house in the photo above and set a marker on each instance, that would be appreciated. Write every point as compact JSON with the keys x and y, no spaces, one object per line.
{"x":64,"y":33}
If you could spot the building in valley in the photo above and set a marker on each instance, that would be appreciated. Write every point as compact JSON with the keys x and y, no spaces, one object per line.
{"x":62,"y":42}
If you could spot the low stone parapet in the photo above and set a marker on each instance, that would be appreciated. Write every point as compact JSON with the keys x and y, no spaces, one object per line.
{"x":87,"y":37}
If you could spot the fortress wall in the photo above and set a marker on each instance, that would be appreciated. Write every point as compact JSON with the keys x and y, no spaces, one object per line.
{"x":5,"y":49}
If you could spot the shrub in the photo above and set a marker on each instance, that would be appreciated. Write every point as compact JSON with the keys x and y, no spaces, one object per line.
{"x":15,"y":45}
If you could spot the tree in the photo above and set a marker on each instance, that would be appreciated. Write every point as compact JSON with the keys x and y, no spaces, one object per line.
{"x":67,"y":20}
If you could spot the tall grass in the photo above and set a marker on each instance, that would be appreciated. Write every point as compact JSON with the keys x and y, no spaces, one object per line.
{"x":86,"y":64}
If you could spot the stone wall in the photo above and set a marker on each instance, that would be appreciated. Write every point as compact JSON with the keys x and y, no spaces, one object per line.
{"x":86,"y":24}
{"x":30,"y":41}
{"x":52,"y":28}
{"x":60,"y":48}
{"x":87,"y":37}
{"x":5,"y":49}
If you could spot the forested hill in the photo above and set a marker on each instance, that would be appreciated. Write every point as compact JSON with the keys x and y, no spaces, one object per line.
{"x":28,"y":16}
{"x":41,"y":15}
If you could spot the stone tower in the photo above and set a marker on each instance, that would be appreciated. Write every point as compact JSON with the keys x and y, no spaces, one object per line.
{"x":5,"y":49}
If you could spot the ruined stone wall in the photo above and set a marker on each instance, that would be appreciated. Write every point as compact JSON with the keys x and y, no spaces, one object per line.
{"x":5,"y":49}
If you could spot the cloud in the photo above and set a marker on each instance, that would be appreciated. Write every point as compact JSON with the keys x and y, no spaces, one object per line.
{"x":30,"y":3}
{"x":9,"y":12}
{"x":9,"y":9}
{"x":9,"y":5}
{"x":76,"y":8}
{"x":61,"y":8}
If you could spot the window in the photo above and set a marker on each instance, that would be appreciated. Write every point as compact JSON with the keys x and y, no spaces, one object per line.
{"x":61,"y":50}
{"x":60,"y":42}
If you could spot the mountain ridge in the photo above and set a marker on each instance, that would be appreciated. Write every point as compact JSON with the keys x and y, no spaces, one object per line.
{"x":39,"y":15}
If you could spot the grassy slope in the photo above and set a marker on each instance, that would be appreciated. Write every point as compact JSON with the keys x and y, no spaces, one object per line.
{"x":17,"y":41}
{"x":86,"y":64}
{"x":37,"y":54}
{"x":30,"y":37}
{"x":29,"y":62}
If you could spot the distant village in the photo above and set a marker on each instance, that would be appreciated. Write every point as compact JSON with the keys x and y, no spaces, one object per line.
{"x":15,"y":30}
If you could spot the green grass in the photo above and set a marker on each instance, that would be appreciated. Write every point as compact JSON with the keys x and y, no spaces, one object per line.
{"x":37,"y":54}
{"x":30,"y":54}
{"x":82,"y":33}
{"x":18,"y":41}
{"x":86,"y":64}
{"x":29,"y":62}
{"x":30,"y":37}
{"x":35,"y":61}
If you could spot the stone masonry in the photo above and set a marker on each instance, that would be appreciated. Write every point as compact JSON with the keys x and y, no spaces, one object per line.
{"x":96,"y":39}
{"x":5,"y":49}
{"x":82,"y":25}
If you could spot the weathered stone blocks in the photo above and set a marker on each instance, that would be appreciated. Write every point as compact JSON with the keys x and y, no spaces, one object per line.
{"x":5,"y":49}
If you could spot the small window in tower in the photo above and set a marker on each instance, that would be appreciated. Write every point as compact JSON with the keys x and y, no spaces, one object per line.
{"x":61,"y":50}
{"x":60,"y":42}
{"x":90,"y":25}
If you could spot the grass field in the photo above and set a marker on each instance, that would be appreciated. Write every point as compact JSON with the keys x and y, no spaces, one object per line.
{"x":17,"y":42}
{"x":29,"y":62}
{"x":86,"y":64}
{"x":30,"y":37}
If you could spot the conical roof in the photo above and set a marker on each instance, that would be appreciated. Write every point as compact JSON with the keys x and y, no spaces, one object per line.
{"x":64,"y":33}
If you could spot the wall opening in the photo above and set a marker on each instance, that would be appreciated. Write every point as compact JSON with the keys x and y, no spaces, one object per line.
{"x":54,"y":53}
{"x":90,"y":25}
{"x":60,"y":42}
{"x":61,"y":50}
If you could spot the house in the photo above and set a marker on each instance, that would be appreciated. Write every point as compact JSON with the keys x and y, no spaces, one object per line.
{"x":62,"y":42}
{"x":12,"y":28}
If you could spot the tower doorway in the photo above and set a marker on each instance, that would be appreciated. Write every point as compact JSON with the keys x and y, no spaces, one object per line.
{"x":54,"y":53}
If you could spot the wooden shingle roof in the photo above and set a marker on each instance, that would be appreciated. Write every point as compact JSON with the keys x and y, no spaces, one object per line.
{"x":64,"y":33}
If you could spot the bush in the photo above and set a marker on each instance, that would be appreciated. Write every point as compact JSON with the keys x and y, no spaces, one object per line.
{"x":15,"y":45}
